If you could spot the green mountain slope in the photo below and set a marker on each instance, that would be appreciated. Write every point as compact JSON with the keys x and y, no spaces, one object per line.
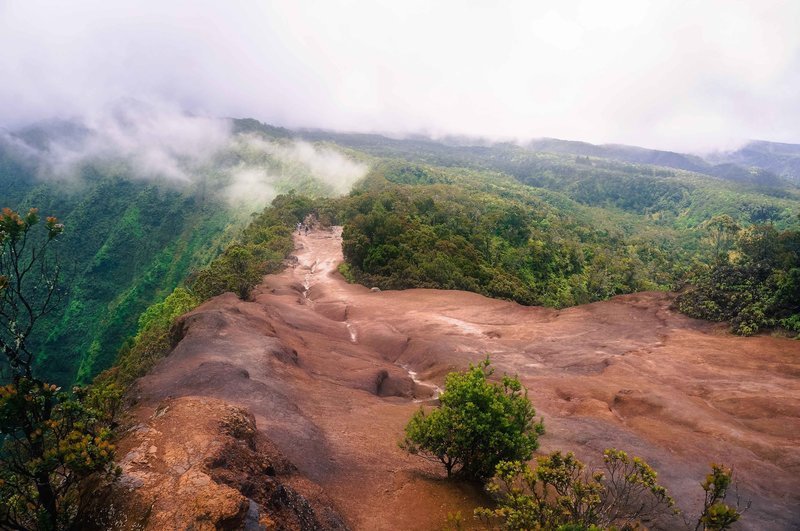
{"x":127,"y":243}
{"x":676,"y":196}
{"x":778,"y":158}
{"x":130,"y":238}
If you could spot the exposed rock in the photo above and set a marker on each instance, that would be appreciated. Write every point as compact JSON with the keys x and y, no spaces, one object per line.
{"x":202,"y":464}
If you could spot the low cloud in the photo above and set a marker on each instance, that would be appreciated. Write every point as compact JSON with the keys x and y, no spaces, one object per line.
{"x":161,"y":143}
{"x":325,"y":163}
{"x":250,"y":186}
{"x":155,"y":141}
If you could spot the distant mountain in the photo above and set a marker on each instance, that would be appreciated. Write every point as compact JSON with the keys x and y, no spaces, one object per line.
{"x":780,"y":159}
{"x":634,"y":154}
{"x":738,"y":169}
{"x":464,"y":151}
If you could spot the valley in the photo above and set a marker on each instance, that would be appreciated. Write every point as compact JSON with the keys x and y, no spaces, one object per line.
{"x":332,"y":371}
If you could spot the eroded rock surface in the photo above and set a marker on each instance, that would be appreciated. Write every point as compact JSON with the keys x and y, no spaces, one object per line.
{"x":331,"y":372}
{"x":201,"y":464}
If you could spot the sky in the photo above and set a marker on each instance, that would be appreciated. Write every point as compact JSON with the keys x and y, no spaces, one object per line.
{"x":690,"y":76}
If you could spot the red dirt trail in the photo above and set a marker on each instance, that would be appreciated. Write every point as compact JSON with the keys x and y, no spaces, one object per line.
{"x":326,"y":369}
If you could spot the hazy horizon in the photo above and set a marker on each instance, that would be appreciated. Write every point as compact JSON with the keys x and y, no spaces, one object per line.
{"x":683,"y":76}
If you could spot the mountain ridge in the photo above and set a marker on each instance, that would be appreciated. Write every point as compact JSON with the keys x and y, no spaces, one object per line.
{"x":331,"y":372}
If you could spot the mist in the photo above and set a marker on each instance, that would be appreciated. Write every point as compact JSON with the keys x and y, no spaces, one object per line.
{"x":160,"y":143}
{"x":687,"y":76}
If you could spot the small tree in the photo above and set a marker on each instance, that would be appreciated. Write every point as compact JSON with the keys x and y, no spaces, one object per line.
{"x":722,"y":231}
{"x":28,"y":284}
{"x":236,"y":270}
{"x":52,"y":443}
{"x":478,"y":424}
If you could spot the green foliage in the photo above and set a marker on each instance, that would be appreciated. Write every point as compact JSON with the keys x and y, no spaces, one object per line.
{"x":457,"y":237}
{"x":560,"y":493}
{"x":346,"y":272}
{"x":151,"y":343}
{"x":28,"y":285}
{"x":722,"y":231}
{"x":754,"y":283}
{"x":716,"y":514}
{"x":236,"y":270}
{"x":53,"y":443}
{"x":264,"y":244}
{"x":161,"y":315}
{"x":137,"y":241}
{"x":478,"y":424}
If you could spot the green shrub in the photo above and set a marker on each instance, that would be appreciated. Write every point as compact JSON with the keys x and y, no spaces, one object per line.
{"x":757,"y":287}
{"x":559,"y":493}
{"x":346,"y":272}
{"x":478,"y":424}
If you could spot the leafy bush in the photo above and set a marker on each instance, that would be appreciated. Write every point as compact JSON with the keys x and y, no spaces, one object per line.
{"x":236,"y":270}
{"x":754,"y":284}
{"x":55,"y":444}
{"x":478,"y":424}
{"x":561,"y":494}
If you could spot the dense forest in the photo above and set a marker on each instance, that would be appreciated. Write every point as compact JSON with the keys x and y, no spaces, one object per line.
{"x":414,"y":226}
{"x":753,"y":282}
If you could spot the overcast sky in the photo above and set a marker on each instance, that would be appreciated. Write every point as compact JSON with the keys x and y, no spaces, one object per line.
{"x":689,"y":75}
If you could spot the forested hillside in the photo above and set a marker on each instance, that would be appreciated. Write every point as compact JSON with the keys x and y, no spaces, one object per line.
{"x":126,"y":244}
{"x":131,"y":237}
{"x":666,"y":194}
{"x":420,"y":226}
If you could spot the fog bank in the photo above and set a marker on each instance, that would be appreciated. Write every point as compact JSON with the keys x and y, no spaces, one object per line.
{"x":161,"y":143}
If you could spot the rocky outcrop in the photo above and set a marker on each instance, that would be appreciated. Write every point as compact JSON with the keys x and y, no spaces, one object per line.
{"x":201,"y":464}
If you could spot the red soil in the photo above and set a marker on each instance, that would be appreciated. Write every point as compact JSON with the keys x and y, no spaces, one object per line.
{"x":324,"y":367}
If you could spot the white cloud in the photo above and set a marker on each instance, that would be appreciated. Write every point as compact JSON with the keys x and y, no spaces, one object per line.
{"x":156,"y":140}
{"x":619,"y":71}
{"x":324,"y":163}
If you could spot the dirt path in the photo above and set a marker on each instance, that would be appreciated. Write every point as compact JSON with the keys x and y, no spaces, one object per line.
{"x":333,"y":371}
